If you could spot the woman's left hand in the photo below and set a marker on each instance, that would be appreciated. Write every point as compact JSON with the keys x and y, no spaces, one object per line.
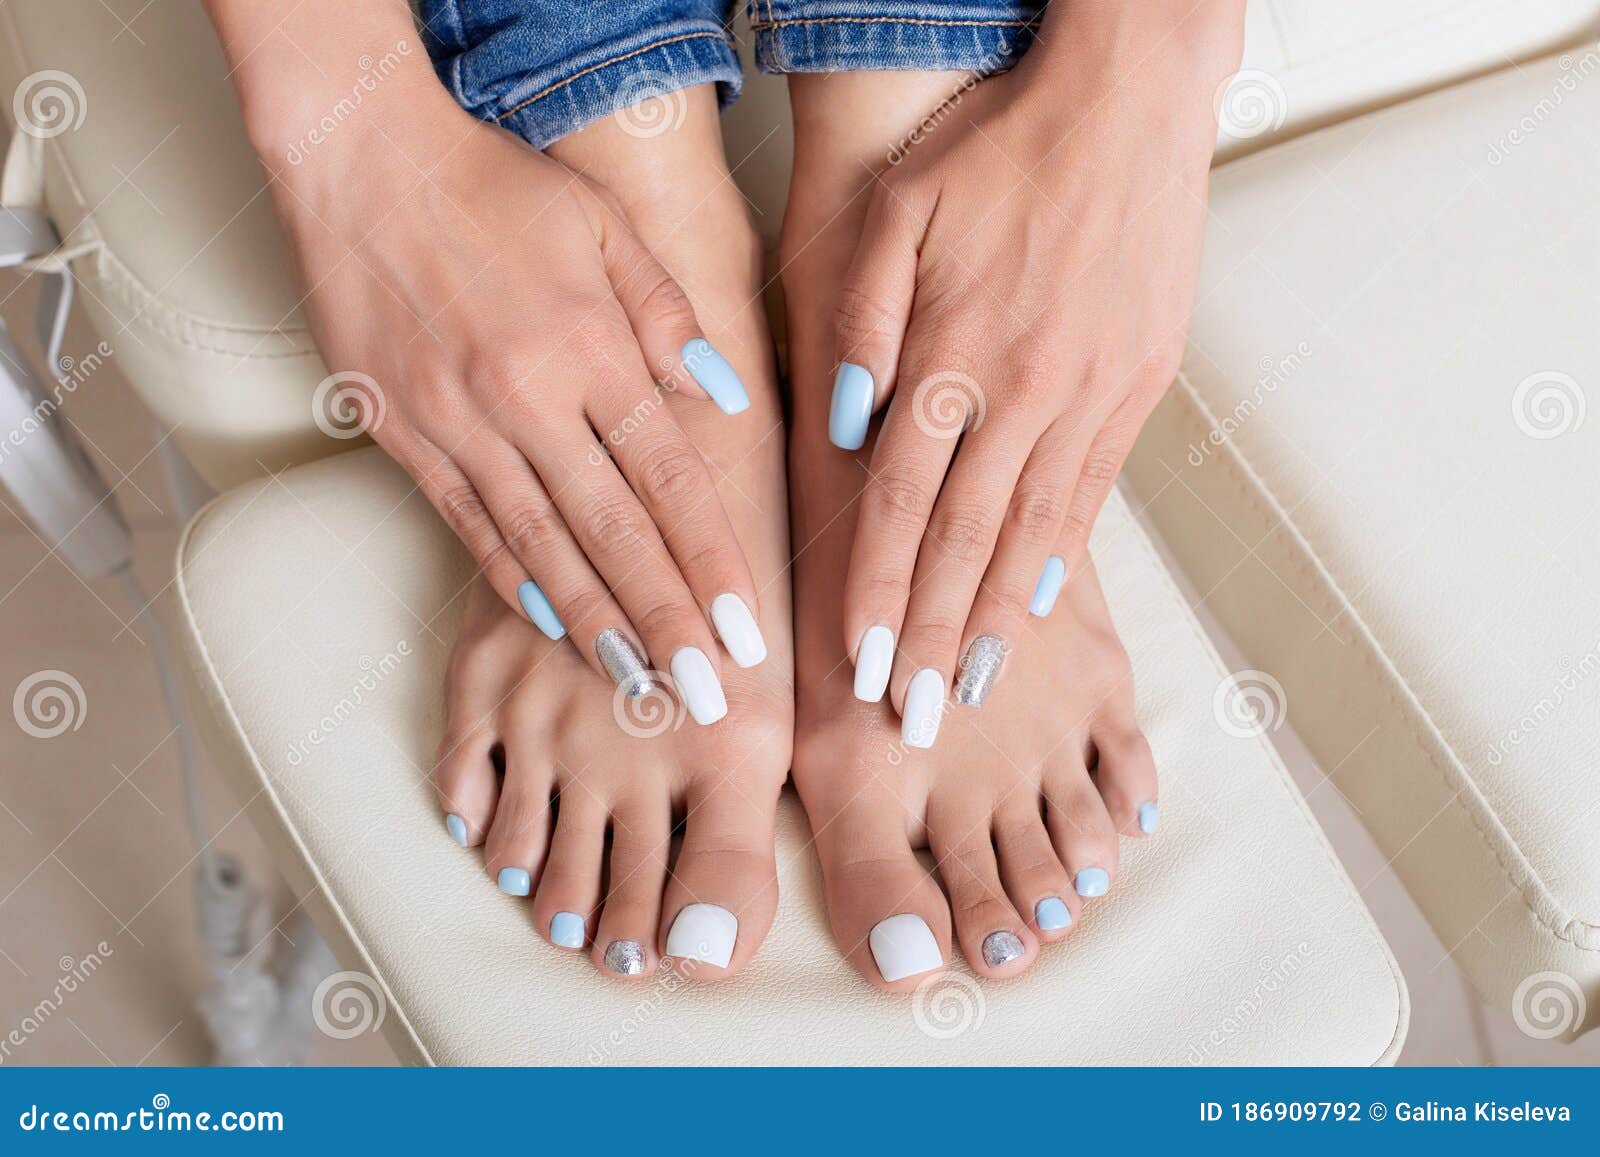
{"x":1022,"y":291}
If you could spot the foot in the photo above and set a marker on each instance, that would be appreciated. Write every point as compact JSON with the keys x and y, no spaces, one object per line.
{"x":575,"y":791}
{"x":1022,"y":801}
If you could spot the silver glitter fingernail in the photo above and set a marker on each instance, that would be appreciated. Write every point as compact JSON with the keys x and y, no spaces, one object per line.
{"x":980,"y":669}
{"x":999,"y":947}
{"x":623,"y":663}
{"x":625,"y":957}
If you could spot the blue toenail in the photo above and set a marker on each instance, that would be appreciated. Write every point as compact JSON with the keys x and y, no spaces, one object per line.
{"x":566,"y":930}
{"x":1049,"y":586}
{"x":1092,"y":882}
{"x":1149,"y":817}
{"x":1051,"y":915}
{"x":513,"y":881}
{"x":457,"y":827}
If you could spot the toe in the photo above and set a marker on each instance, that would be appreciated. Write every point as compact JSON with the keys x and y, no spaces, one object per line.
{"x":468,"y":785}
{"x":994,"y":938}
{"x":1038,"y":885}
{"x":1125,"y":773}
{"x":641,"y":837}
{"x":1081,"y":829}
{"x":519,"y":834}
{"x":568,"y":894}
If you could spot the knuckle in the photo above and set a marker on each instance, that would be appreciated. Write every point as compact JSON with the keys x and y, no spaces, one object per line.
{"x":531,"y":531}
{"x":674,"y":474}
{"x":965,"y":533}
{"x":860,"y":319}
{"x":898,"y":499}
{"x":463,"y":512}
{"x":658,"y":295}
{"x":668,"y":620}
{"x":614,"y":522}
{"x":1035,"y":515}
{"x":1100,"y":469}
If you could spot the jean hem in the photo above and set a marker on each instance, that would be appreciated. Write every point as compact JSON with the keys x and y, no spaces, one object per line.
{"x":883,"y":43}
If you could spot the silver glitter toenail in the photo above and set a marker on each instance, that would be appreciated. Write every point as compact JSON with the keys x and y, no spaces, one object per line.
{"x":623,"y":663}
{"x":980,"y":669}
{"x":1000,"y":947}
{"x":625,"y":957}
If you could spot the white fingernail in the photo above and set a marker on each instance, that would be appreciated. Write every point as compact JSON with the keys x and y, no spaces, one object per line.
{"x":737,"y":628}
{"x":919,"y":722}
{"x":698,"y":685}
{"x":704,"y":932}
{"x":874,"y":658}
{"x":903,"y":946}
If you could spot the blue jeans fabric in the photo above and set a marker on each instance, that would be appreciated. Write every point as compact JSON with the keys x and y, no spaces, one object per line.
{"x":546,"y":68}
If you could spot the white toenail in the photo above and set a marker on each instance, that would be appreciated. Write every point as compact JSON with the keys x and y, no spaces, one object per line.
{"x":704,"y":932}
{"x":903,"y":946}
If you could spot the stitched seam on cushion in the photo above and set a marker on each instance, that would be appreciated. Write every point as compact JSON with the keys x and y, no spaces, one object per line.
{"x":771,"y":24}
{"x":544,"y":92}
{"x":1240,"y":472}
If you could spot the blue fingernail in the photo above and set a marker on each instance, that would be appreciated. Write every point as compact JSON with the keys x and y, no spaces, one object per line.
{"x":1051,"y":915}
{"x":566,"y":929}
{"x":851,"y":409}
{"x":1149,"y":817}
{"x":513,"y":881}
{"x":1044,"y":595}
{"x":715,"y":375}
{"x":540,"y":611}
{"x":1092,"y":882}
{"x":457,"y":827}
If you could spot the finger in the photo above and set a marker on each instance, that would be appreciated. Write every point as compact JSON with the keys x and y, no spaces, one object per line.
{"x":1101,"y":465}
{"x":872,"y":312}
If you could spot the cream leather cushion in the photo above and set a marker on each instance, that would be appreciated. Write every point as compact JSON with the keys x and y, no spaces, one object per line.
{"x":317,"y":607}
{"x":1379,"y":467}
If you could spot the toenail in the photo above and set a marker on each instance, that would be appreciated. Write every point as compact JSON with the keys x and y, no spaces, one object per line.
{"x":1092,"y":882}
{"x":698,"y":685}
{"x":716,"y":377}
{"x":537,"y":607}
{"x":874,"y":661}
{"x":623,"y":663}
{"x":457,"y":827}
{"x":704,"y":932}
{"x":919,"y":723}
{"x":1052,"y":915}
{"x":903,"y":946}
{"x":625,"y":957}
{"x":1044,"y":594}
{"x":1149,"y":818}
{"x":1001,"y":948}
{"x":513,"y":881}
{"x":850,"y":410}
{"x":738,"y":630}
{"x":980,"y":669}
{"x":566,"y":930}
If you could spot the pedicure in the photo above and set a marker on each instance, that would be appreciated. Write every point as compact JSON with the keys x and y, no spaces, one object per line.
{"x":980,"y":669}
{"x":851,"y":408}
{"x":566,"y":930}
{"x":704,"y":932}
{"x":1050,"y":579}
{"x":538,"y":608}
{"x":715,"y":375}
{"x":1091,"y":882}
{"x":1149,"y":818}
{"x":874,"y":661}
{"x":738,"y":630}
{"x":698,"y":685}
{"x":919,"y":722}
{"x":457,"y":827}
{"x":1052,"y":915}
{"x":623,"y":663}
{"x":1001,"y":948}
{"x":625,"y":957}
{"x":903,"y":946}
{"x":513,"y":881}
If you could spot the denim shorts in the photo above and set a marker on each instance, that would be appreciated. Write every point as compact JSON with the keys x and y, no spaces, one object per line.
{"x":546,"y":68}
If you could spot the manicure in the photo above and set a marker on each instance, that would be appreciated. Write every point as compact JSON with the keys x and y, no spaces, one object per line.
{"x":513,"y":881}
{"x":1091,"y":882}
{"x":715,"y":375}
{"x":874,"y":660}
{"x":851,"y":408}
{"x":919,"y":723}
{"x":698,"y":685}
{"x":1049,"y":586}
{"x":704,"y":932}
{"x":567,"y":930}
{"x":538,"y":608}
{"x":623,"y":663}
{"x":980,"y":669}
{"x":738,"y":630}
{"x":903,"y":946}
{"x":1001,"y":948}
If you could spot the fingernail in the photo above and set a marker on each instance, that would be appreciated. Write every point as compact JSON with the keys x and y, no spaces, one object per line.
{"x":625,"y":957}
{"x":538,"y":609}
{"x":1149,"y":818}
{"x":566,"y":930}
{"x":513,"y":881}
{"x":1000,"y":948}
{"x":704,"y":932}
{"x":1091,"y":882}
{"x":903,"y":946}
{"x":738,"y":630}
{"x":715,"y":375}
{"x":874,"y":660}
{"x":919,"y":722}
{"x":851,"y":408}
{"x":980,"y":669}
{"x":697,"y":683}
{"x":623,"y":663}
{"x":1052,"y":915}
{"x":1049,"y":586}
{"x":457,"y":827}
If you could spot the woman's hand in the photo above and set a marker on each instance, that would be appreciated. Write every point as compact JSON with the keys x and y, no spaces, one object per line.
{"x":1021,"y":292}
{"x":519,"y":346}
